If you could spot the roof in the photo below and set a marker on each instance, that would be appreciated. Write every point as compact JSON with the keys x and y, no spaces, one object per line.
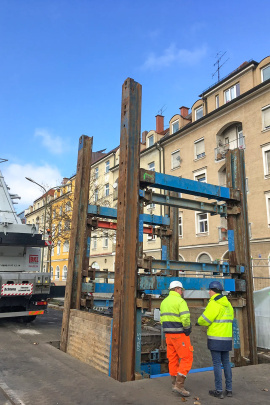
{"x":243,"y":66}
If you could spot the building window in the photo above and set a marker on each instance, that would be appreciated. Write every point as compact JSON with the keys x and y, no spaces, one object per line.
{"x":267,"y":196}
{"x":105,"y":240}
{"x":96,"y":173}
{"x":151,"y":166}
{"x":150,"y":140}
{"x":202,"y":223}
{"x":217,"y":101}
{"x":266,"y":73}
{"x":68,"y":206}
{"x":175,"y":159}
{"x":66,"y":246}
{"x":266,"y":161}
{"x":54,"y":214}
{"x":59,"y":228}
{"x":204,"y":258}
{"x":175,"y":126}
{"x":58,"y":248}
{"x":199,"y":149}
{"x":96,"y":195}
{"x":67,"y":225}
{"x":51,"y":272}
{"x":64,"y":273}
{"x":201,"y":178}
{"x":180,"y":223}
{"x":60,"y":210}
{"x":107,"y":166}
{"x":107,"y":189}
{"x":94,"y":240}
{"x":198,"y":113}
{"x":266,"y":117}
{"x":57,"y":273}
{"x":232,"y":93}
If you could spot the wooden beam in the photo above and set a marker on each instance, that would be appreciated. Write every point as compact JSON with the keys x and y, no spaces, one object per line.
{"x":239,"y":254}
{"x":124,"y":310}
{"x":78,"y":259}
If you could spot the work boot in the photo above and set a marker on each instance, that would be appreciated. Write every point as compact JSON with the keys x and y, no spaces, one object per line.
{"x":228,"y":393}
{"x":179,"y":386}
{"x":217,"y":394}
{"x":173,"y":377}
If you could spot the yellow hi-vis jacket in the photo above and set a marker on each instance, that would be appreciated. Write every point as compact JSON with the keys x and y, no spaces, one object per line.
{"x":174,"y":314}
{"x":218,"y":316}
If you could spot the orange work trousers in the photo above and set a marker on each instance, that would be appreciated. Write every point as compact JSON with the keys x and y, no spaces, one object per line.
{"x":179,"y":353}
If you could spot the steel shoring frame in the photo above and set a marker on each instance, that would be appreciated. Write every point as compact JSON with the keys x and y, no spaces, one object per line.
{"x":111,"y":213}
{"x":186,"y":186}
{"x":211,"y":208}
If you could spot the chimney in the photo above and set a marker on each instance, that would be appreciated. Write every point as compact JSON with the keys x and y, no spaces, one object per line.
{"x":159,"y":123}
{"x":184,"y":111}
{"x":144,"y":136}
{"x":65,"y":179}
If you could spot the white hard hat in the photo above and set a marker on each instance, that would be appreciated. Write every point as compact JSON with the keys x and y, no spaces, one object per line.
{"x":175,"y":284}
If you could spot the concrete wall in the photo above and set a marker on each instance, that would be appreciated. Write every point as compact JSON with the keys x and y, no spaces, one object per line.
{"x":89,"y":339}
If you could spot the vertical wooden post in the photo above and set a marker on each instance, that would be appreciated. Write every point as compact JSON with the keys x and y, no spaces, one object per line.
{"x":239,"y":254}
{"x":126,"y":261}
{"x":78,"y":259}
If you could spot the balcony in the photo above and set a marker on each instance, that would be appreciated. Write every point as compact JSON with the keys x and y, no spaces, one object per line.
{"x":223,"y":146}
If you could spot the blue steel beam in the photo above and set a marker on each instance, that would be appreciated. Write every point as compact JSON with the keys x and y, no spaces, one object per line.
{"x":184,"y":266}
{"x":212,"y":208}
{"x":181,"y":185}
{"x":146,"y":282}
{"x":161,"y":283}
{"x":111,"y":213}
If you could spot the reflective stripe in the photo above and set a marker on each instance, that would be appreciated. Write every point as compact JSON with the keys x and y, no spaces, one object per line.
{"x":173,"y":330}
{"x":219,"y":338}
{"x":224,"y":321}
{"x":184,"y":312}
{"x":207,"y":320}
{"x":171,"y":314}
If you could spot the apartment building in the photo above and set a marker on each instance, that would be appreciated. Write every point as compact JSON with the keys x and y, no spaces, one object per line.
{"x":233,"y":113}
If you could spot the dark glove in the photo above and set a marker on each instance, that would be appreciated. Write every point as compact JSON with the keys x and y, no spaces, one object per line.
{"x":187,"y":331}
{"x":197,"y":324}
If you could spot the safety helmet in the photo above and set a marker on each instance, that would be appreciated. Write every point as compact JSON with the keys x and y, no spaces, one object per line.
{"x":216,"y":285}
{"x":175,"y":284}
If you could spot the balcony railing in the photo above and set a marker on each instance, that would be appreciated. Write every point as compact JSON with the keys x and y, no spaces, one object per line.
{"x":223,"y":147}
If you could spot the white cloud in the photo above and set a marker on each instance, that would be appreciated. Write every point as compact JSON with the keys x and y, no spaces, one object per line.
{"x":54,"y":144}
{"x":173,"y":55}
{"x":15,"y":174}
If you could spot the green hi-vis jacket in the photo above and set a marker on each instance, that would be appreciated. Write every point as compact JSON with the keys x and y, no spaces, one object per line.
{"x":174,"y":314}
{"x":218,"y":316}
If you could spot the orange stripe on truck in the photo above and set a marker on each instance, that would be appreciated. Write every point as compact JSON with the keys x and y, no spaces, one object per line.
{"x":36,"y":312}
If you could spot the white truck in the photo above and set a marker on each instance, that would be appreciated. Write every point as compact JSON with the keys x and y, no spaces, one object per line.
{"x":24,"y":289}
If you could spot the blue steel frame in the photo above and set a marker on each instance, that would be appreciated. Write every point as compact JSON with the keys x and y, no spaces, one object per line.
{"x":161,"y":283}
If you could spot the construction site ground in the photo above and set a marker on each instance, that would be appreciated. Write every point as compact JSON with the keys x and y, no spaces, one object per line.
{"x":35,"y":372}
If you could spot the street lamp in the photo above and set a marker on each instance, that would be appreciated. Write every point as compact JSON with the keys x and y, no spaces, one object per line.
{"x":44,"y":228}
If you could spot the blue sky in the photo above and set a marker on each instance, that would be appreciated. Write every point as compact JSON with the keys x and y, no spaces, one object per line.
{"x":63,"y":63}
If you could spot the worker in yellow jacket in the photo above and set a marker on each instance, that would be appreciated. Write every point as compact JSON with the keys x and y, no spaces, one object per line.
{"x":175,"y":319}
{"x":218,"y":317}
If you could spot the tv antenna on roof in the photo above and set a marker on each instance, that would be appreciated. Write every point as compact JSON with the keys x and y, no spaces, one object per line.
{"x":161,"y":111}
{"x":218,"y":64}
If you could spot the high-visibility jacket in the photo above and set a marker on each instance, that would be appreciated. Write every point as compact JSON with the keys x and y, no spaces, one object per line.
{"x":218,"y":316}
{"x":174,"y":314}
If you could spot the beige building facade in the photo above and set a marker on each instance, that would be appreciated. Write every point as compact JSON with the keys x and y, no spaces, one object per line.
{"x":233,"y":113}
